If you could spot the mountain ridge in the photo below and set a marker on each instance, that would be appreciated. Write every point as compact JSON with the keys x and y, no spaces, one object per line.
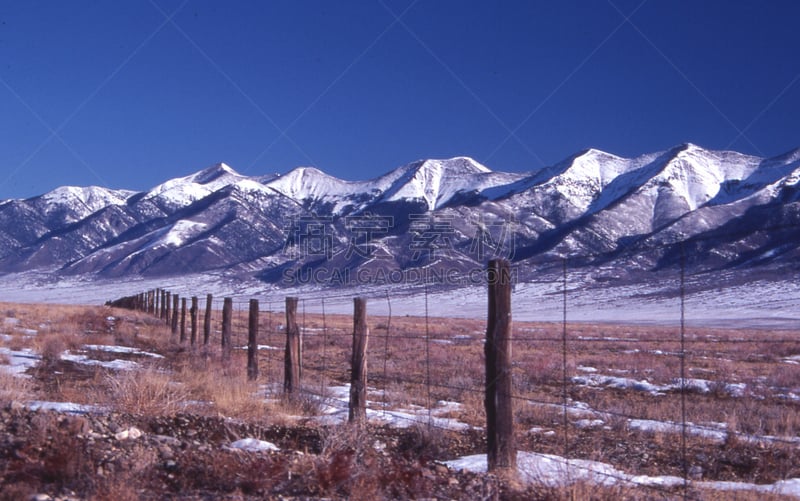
{"x":593,"y":207}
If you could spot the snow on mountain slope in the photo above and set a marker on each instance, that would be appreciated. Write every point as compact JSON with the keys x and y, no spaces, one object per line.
{"x":180,"y":233}
{"x":696,"y":175}
{"x":771,"y":175}
{"x":81,"y":201}
{"x":584,"y":182}
{"x":311,"y":187}
{"x":183,"y":191}
{"x":590,"y":205}
{"x":436,"y":182}
{"x":673,"y":184}
{"x":92,"y":197}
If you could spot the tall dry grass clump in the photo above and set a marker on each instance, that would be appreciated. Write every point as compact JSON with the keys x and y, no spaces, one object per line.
{"x":148,"y":392}
{"x":222,"y":388}
{"x":13,"y":388}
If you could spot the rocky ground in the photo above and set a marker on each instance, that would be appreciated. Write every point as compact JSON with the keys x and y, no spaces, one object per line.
{"x":50,"y":455}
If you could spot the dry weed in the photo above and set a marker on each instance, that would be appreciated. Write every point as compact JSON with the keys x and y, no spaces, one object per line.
{"x":14,"y":388}
{"x":51,"y":346}
{"x":223,"y":388}
{"x":148,"y":392}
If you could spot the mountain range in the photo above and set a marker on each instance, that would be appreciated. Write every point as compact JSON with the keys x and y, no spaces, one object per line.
{"x":625,"y":216}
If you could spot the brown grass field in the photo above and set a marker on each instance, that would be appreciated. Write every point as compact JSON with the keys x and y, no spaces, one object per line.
{"x":741,"y":404}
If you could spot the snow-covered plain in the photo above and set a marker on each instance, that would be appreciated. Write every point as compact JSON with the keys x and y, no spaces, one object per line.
{"x":755,"y":304}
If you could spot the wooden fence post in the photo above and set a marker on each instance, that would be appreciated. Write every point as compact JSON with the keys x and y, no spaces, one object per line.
{"x":163,"y":304}
{"x":358,"y":379}
{"x":502,"y":452}
{"x":193,"y":315}
{"x":227,"y":318}
{"x":156,"y":297}
{"x":183,"y":320}
{"x":207,"y":321}
{"x":291,"y":359}
{"x":168,"y":302}
{"x":252,"y":342}
{"x":175,"y":301}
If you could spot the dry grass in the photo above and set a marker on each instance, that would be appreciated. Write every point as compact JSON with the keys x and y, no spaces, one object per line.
{"x":221,"y":388}
{"x":411,"y":365}
{"x":149,"y":392}
{"x":13,"y":388}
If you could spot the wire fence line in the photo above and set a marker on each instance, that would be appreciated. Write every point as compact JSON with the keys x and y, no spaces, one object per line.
{"x":424,"y":363}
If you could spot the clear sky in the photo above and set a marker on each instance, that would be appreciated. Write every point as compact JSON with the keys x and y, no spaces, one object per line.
{"x":129,"y":94}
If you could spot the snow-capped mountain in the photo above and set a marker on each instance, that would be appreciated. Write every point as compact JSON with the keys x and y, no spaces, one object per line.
{"x":712,"y":209}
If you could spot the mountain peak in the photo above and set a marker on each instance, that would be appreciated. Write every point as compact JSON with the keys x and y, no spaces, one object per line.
{"x":213,"y":173}
{"x":89,"y":195}
{"x":691,"y":148}
{"x":305,"y":171}
{"x":453,"y":166}
{"x":307,"y":183}
{"x":436,"y":181}
{"x":595,"y":154}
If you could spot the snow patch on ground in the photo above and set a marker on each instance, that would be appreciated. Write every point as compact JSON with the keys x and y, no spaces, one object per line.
{"x":794,"y":359}
{"x":264,"y":347}
{"x":717,"y":432}
{"x":706,"y":431}
{"x":334,"y":410}
{"x":65,"y":407}
{"x":19,"y":361}
{"x":695,"y":385}
{"x":556,"y":471}
{"x":120,"y":365}
{"x":253,"y":445}
{"x":121,"y":349}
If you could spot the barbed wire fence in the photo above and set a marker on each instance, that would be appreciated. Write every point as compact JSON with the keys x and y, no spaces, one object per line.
{"x":624,"y":377}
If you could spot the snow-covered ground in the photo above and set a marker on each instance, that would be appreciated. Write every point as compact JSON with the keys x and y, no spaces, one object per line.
{"x":556,"y":471}
{"x":19,"y":361}
{"x":757,"y":304}
{"x":335,"y":411}
{"x":253,"y":445}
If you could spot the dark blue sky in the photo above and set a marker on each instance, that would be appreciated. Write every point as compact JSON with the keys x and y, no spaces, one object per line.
{"x":129,"y":94}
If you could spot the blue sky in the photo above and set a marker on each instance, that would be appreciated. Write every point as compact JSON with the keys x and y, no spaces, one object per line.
{"x":129,"y":94}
